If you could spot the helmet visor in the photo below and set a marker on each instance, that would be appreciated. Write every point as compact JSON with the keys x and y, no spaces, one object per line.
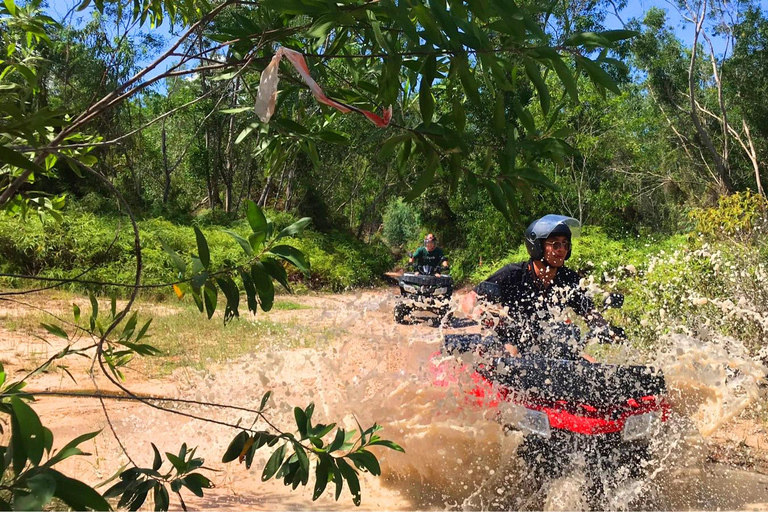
{"x":545,"y":225}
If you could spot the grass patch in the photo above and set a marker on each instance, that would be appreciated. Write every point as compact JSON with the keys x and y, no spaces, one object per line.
{"x":287,"y":305}
{"x":185,"y":337}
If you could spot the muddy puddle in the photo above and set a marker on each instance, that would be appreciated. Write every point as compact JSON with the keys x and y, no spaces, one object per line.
{"x":458,"y":457}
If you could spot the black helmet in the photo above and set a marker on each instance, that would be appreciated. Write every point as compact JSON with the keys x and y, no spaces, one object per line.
{"x":545,"y":227}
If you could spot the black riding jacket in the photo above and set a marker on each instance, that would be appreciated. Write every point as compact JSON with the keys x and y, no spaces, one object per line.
{"x":531,"y":305}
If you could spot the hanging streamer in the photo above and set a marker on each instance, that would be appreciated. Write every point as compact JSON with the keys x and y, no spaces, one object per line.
{"x":267,"y":95}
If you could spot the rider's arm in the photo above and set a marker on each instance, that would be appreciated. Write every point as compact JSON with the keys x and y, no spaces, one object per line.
{"x":416,"y":256}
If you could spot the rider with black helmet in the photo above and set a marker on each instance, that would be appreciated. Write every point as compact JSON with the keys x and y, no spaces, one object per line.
{"x":534,"y":291}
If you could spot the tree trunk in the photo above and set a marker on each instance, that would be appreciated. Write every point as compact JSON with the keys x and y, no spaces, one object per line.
{"x":265,"y":192}
{"x":166,"y":169}
{"x":724,"y":178}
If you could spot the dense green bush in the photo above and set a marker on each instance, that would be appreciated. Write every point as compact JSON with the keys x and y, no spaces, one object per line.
{"x":400,"y":223}
{"x":82,"y":240}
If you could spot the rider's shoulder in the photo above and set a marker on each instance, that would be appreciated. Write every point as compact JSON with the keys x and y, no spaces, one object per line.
{"x":509,"y":272}
{"x":569,"y":275}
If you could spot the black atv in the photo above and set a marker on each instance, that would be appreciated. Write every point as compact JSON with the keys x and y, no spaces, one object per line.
{"x":422,"y":290}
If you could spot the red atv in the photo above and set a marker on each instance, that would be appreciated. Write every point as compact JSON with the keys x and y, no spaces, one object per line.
{"x":571,"y":411}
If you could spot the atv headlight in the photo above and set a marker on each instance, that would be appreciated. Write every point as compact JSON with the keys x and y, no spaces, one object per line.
{"x":409,"y":288}
{"x":441,"y":291}
{"x":640,"y":426}
{"x":535,"y":422}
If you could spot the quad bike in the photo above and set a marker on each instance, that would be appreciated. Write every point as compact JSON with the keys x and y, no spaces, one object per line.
{"x":423,"y":290}
{"x":594,"y":418}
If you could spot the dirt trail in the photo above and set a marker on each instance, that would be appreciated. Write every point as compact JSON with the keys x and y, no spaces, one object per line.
{"x":368,"y":367}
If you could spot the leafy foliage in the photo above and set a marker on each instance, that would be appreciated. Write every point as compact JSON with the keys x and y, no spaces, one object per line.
{"x":400,"y":223}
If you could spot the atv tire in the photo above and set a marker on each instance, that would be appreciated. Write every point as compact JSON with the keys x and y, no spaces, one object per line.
{"x":402,"y":313}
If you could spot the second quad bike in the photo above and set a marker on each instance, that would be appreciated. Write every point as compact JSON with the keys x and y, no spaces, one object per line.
{"x":423,"y":290}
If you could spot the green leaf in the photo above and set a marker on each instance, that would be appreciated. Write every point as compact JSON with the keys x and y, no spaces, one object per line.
{"x":388,"y":444}
{"x":338,"y":478}
{"x":589,"y":39}
{"x":566,"y":77}
{"x":177,"y":462}
{"x":143,"y":330}
{"x":236,"y":110}
{"x":94,"y":310}
{"x":11,"y":6}
{"x":293,"y":256}
{"x":232,"y":293}
{"x":273,"y":464}
{"x":597,"y":74}
{"x":210,"y":298}
{"x":333,"y":137}
{"x":295,"y":228}
{"x":350,"y":475}
{"x":246,"y":131}
{"x":16,"y":159}
{"x":499,"y":114}
{"x":75,"y":312}
{"x":302,"y":457}
{"x":257,"y":239}
{"x":426,"y":102}
{"x":497,"y":198}
{"x":30,"y":429}
{"x":524,"y":116}
{"x":245,"y":244}
{"x":459,"y":115}
{"x":367,"y":460}
{"x":76,"y":494}
{"x":129,"y":327}
{"x":290,"y":126}
{"x":532,"y":70}
{"x":426,"y":177}
{"x":275,"y":269}
{"x":158,"y":460}
{"x":235,"y":448}
{"x":250,"y":291}
{"x":471,"y":88}
{"x":321,"y":476}
{"x":175,"y":258}
{"x":338,"y":440}
{"x":264,"y":285}
{"x":256,"y":217}
{"x":55,"y":330}
{"x":389,"y":145}
{"x":264,"y":400}
{"x":202,"y":248}
{"x":71,"y":448}
{"x":196,"y":482}
{"x":42,"y":487}
{"x":162,"y":500}
{"x":301,"y":421}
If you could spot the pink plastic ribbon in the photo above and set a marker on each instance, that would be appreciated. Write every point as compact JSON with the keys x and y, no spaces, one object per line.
{"x":267,"y":95}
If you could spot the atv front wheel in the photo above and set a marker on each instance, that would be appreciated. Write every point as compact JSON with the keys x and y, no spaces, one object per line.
{"x":402,"y":313}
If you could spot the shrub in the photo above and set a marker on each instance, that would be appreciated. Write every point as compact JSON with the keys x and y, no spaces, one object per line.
{"x":742,"y":217}
{"x":82,"y":240}
{"x":401,"y":223}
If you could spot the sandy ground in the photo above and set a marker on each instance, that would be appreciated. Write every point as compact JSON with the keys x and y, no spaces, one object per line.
{"x":373,"y":369}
